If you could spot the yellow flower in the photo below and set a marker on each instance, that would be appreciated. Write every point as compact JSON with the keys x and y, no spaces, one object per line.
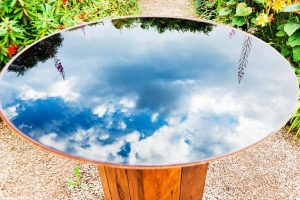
{"x":292,"y":1}
{"x":277,"y":5}
{"x":262,"y":19}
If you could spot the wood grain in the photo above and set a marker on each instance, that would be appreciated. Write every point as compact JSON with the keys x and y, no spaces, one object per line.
{"x":163,"y":184}
{"x":176,"y":183}
{"x":104,"y":182}
{"x":118,"y":183}
{"x":135,"y":181}
{"x":193,"y":182}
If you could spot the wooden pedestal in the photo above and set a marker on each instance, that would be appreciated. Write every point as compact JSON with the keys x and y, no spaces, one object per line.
{"x":174,"y":183}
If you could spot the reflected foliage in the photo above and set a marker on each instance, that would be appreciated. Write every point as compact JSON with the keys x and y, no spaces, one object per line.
{"x":164,"y":24}
{"x":83,"y":26}
{"x":40,"y":52}
{"x":243,"y":60}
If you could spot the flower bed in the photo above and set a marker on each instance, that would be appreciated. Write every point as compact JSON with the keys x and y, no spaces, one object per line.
{"x":23,"y":22}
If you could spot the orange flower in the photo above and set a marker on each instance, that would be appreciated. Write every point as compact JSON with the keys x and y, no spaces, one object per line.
{"x":82,"y":16}
{"x":64,"y":2}
{"x":12,"y":49}
{"x":60,"y":27}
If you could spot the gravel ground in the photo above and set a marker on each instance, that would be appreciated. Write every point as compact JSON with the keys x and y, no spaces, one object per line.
{"x":269,"y":170}
{"x":29,"y":173}
{"x":181,"y":8}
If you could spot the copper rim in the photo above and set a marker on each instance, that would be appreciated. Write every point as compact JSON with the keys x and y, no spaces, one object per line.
{"x":127,"y":166}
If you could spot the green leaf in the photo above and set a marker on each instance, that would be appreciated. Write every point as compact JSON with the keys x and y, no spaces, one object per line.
{"x":13,"y":3}
{"x":242,"y":10}
{"x":17,"y":10}
{"x":260,"y":1}
{"x":291,"y":8}
{"x":253,"y":20}
{"x":21,"y":2}
{"x":294,"y":39}
{"x":280,"y":27}
{"x":296,"y":54}
{"x":238,"y":21}
{"x":291,"y":27}
{"x":71,"y":183}
{"x":77,"y":172}
{"x":225,"y":11}
{"x":280,"y":34}
{"x":297,"y":70}
{"x":286,"y":51}
{"x":231,"y":2}
{"x":12,"y":37}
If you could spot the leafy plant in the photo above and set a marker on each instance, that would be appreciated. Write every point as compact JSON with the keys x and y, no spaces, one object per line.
{"x":23,"y":22}
{"x":292,"y":31}
{"x":295,"y":123}
{"x":274,"y":21}
{"x":76,"y":182}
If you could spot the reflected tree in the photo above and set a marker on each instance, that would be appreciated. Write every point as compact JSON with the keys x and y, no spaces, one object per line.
{"x":40,"y":52}
{"x":164,"y":24}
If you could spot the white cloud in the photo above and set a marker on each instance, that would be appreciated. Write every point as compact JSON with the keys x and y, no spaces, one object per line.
{"x":154,"y":117}
{"x":122,"y":125}
{"x":100,"y":110}
{"x":128,"y":102}
{"x":11,"y":112}
{"x":63,"y":89}
{"x":187,"y":140}
{"x":30,"y":94}
{"x":106,"y":153}
{"x":132,"y":137}
{"x":51,"y":140}
{"x":103,"y":136}
{"x":164,"y":146}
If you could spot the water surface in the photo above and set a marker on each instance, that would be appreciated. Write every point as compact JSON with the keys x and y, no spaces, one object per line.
{"x":148,"y":91}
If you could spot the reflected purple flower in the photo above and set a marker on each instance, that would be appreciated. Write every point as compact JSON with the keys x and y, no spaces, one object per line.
{"x":231,"y":33}
{"x":59,"y":67}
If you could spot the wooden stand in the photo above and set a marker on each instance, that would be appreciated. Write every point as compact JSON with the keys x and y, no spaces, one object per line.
{"x":174,"y":183}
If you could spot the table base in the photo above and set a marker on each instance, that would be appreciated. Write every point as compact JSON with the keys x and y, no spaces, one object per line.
{"x":174,"y":183}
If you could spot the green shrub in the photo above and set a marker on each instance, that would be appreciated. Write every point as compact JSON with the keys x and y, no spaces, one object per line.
{"x":276,"y":22}
{"x":23,"y":22}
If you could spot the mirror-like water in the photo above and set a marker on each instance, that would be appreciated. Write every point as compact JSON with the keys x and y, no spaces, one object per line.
{"x":148,"y":91}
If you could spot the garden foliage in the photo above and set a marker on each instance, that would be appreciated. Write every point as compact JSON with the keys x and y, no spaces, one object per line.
{"x":23,"y":22}
{"x":274,"y":21}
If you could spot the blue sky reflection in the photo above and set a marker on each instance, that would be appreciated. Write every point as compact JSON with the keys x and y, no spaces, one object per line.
{"x":136,"y":96}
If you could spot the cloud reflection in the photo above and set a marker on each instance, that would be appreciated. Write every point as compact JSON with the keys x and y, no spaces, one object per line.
{"x":143,"y":93}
